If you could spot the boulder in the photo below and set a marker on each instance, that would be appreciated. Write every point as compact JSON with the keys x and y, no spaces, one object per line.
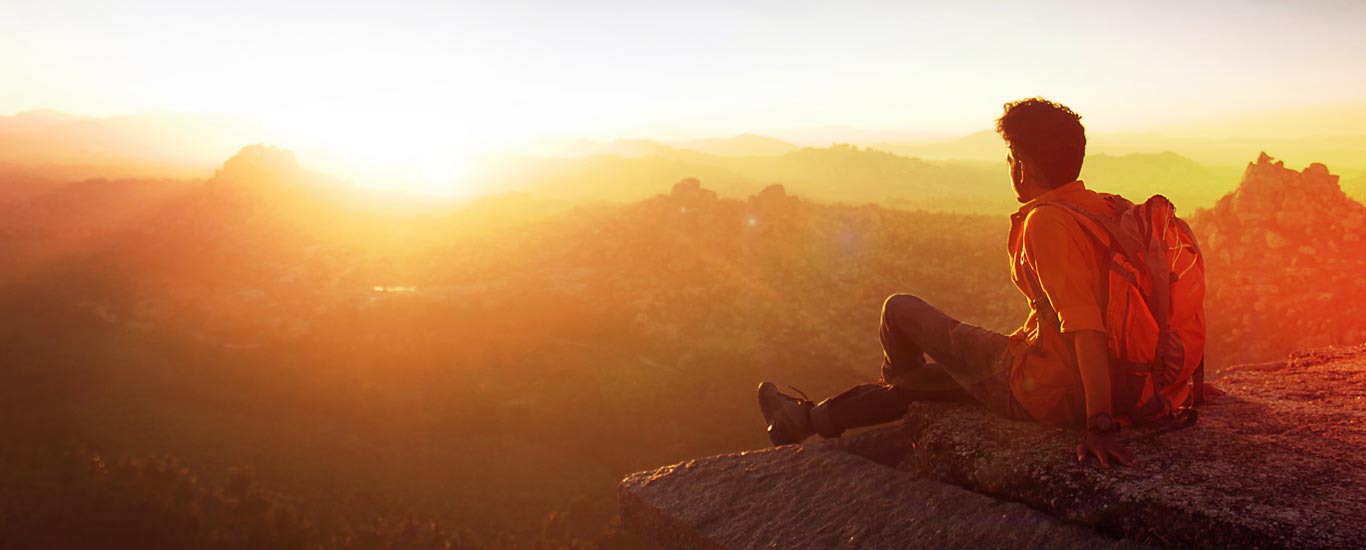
{"x":1274,"y":462}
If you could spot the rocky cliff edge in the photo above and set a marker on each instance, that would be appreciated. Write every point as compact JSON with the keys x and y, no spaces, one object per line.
{"x":1275,"y":461}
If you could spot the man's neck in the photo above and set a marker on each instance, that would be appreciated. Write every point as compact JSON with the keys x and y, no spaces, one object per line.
{"x":1030,"y":191}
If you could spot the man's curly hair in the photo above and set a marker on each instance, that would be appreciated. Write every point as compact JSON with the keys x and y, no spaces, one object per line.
{"x":1049,"y":133}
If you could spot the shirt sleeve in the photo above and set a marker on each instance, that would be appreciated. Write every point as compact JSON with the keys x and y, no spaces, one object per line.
{"x":1064,"y":258}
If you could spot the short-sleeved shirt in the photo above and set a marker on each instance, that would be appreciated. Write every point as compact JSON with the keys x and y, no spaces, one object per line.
{"x":1049,"y":244}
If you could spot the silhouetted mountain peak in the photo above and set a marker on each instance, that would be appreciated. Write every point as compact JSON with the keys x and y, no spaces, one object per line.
{"x":772,"y":193}
{"x":771,"y":204}
{"x":259,"y":164}
{"x":689,"y":191}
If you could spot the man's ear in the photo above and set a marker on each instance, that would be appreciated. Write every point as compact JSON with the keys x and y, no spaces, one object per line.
{"x":1024,"y":170}
{"x":1030,"y":170}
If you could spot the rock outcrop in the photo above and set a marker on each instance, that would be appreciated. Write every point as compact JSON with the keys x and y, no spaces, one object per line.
{"x":689,"y":192}
{"x":1283,"y":255}
{"x":266,"y":168}
{"x":1274,"y":462}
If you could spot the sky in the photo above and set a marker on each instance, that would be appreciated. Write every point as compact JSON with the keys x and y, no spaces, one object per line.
{"x":414,"y":80}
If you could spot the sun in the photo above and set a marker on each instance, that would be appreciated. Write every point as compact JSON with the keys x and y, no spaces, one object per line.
{"x":443,"y":176}
{"x":380,"y":149}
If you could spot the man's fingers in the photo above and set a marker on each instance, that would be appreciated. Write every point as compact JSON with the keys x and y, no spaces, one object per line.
{"x":1104,"y":451}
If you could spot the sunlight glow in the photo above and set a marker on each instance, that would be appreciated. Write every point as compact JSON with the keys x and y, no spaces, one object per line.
{"x":424,"y":155}
{"x":402,"y":94}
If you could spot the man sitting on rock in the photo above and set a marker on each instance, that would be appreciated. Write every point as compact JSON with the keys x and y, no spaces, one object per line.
{"x":1053,"y":371}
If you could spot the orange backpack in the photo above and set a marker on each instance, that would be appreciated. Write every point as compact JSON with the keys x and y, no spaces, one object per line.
{"x":1154,"y":310}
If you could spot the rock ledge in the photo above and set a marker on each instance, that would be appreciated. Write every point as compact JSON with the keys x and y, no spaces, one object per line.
{"x":1275,"y":462}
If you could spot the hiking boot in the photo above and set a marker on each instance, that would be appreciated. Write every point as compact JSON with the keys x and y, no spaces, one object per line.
{"x":788,"y":418}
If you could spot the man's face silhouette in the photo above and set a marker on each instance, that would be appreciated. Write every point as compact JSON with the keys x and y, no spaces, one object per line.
{"x":1024,"y":178}
{"x":1016,"y":169}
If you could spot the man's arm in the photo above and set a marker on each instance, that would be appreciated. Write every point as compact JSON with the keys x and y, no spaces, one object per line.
{"x":1071,"y":284}
{"x":1093,"y":360}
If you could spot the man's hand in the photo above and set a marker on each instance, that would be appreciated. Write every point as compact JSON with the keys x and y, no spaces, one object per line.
{"x":1104,"y":447}
{"x":1093,"y":360}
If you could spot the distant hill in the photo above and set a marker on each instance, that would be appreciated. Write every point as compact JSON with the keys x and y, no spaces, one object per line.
{"x":1137,"y":176}
{"x":985,"y":146}
{"x":1343,"y":152}
{"x":626,"y":148}
{"x":607,"y":177}
{"x":841,"y":173}
{"x":32,"y":121}
{"x":144,"y":145}
{"x":743,"y":145}
{"x":855,"y":175}
{"x":824,"y":136}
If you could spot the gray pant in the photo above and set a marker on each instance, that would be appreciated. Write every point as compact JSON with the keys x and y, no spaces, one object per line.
{"x":970,"y":364}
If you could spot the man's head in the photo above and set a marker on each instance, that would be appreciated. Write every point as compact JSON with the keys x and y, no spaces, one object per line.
{"x":1047,"y":143}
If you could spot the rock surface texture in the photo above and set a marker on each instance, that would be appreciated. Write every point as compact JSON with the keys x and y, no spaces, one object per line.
{"x":821,"y":497}
{"x":1274,"y":462}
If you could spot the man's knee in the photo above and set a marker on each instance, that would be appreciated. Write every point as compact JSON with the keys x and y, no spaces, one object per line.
{"x":901,"y":305}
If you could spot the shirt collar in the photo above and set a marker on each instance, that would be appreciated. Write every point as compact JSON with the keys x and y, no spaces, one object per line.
{"x":1061,"y":191}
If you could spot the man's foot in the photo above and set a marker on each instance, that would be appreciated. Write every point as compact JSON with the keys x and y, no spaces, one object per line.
{"x":788,"y":418}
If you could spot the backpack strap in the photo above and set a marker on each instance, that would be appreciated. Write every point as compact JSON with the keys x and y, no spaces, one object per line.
{"x":1040,"y":302}
{"x":1041,"y":305}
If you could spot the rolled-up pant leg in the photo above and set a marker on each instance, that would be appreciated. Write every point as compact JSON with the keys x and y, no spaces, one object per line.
{"x":970,"y":363}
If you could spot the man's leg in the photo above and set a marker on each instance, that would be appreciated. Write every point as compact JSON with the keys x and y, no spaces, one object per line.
{"x":878,"y":403}
{"x":970,"y":363}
